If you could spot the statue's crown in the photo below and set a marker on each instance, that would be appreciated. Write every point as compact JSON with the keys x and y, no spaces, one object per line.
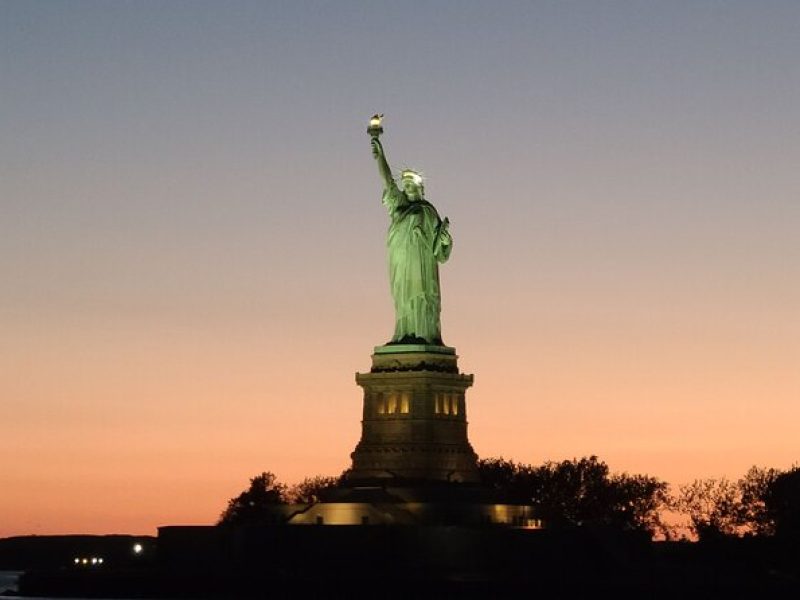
{"x":413,"y":175}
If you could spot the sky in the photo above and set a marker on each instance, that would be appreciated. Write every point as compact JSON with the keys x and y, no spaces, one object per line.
{"x":192,"y":244}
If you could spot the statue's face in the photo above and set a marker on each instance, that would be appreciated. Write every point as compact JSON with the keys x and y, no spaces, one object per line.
{"x":412,"y":189}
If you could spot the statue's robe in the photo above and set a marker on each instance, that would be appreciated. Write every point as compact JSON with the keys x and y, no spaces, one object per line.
{"x":415,"y":249}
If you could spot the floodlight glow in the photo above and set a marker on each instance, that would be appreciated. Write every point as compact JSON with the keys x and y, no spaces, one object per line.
{"x":99,"y":561}
{"x":85,"y":561}
{"x":94,"y":560}
{"x":137,"y":548}
{"x":77,"y":561}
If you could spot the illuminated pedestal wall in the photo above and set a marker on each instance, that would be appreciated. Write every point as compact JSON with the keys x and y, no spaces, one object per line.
{"x":414,"y":423}
{"x":389,"y":507}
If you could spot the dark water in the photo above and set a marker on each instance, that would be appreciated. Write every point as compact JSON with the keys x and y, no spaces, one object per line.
{"x":8,"y":583}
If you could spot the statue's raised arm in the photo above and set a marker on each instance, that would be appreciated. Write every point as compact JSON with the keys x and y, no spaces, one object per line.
{"x":418,"y":240}
{"x":383,"y":166}
{"x":374,"y":130}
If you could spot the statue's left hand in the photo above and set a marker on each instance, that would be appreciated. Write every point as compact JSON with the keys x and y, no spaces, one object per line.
{"x":444,"y":233}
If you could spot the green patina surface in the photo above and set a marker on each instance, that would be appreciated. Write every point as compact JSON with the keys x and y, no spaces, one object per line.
{"x":418,"y":240}
{"x":413,"y":348}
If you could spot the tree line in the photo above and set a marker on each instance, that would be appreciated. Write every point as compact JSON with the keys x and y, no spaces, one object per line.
{"x":585,"y":493}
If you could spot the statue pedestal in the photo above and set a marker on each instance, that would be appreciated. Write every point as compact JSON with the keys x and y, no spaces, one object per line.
{"x":414,"y":425}
{"x":414,"y":464}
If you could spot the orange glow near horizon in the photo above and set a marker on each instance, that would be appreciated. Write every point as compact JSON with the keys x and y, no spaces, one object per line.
{"x":193,"y":253}
{"x":153,"y":429}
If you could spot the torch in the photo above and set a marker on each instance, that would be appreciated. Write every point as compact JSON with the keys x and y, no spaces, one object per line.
{"x":375,"y":128}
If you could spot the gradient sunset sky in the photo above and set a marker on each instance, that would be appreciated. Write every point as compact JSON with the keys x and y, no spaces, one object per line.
{"x":192,"y":244}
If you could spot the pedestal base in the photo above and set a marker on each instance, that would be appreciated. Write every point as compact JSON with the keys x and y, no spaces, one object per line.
{"x":426,"y":505}
{"x":414,"y":423}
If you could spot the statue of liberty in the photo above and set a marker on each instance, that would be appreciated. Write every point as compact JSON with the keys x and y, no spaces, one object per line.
{"x":418,"y":240}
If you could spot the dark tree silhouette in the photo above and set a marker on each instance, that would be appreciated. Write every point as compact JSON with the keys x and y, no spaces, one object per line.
{"x":638,"y":503}
{"x":721,"y":508}
{"x":313,"y":489}
{"x":753,"y":490}
{"x":575,"y":491}
{"x":782,"y":504}
{"x":251,"y":507}
{"x":506,"y":476}
{"x":712,"y":505}
{"x":582,"y":493}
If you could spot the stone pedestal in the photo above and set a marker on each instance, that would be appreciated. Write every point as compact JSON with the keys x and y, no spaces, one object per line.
{"x":414,"y":426}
